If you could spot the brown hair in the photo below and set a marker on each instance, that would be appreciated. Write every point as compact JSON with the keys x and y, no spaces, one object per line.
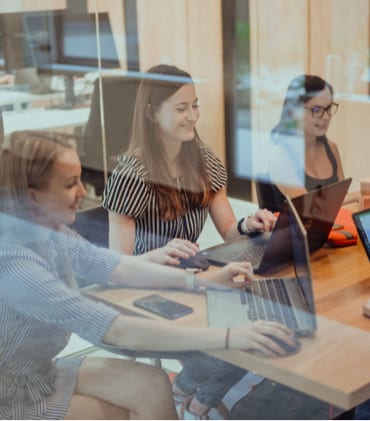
{"x":161,"y":82}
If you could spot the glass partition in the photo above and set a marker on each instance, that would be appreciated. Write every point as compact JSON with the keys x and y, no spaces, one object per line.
{"x":52,"y":61}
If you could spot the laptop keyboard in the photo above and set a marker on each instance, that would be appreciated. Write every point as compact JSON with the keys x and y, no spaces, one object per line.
{"x":263,"y":300}
{"x":267,"y":299}
{"x":250,"y":254}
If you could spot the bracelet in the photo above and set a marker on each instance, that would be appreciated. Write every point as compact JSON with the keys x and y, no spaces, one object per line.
{"x":227,"y":338}
{"x":239,"y":226}
{"x":190,"y":279}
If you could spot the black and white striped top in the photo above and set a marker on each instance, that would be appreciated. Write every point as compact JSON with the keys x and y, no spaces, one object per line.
{"x":38,"y":312}
{"x":130,"y":192}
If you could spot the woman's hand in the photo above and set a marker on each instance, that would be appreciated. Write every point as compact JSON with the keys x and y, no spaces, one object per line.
{"x":225,"y":275}
{"x":171,"y":252}
{"x":253,"y":336}
{"x":262,"y":220}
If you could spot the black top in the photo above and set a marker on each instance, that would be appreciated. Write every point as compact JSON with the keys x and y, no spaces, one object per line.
{"x":312,"y":183}
{"x":269,"y":195}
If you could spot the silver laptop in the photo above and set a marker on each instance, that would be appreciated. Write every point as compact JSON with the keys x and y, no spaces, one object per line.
{"x":286,"y":300}
{"x":317,"y":210}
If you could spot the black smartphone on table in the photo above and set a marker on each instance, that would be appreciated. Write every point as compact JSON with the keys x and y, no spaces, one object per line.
{"x":162,"y":306}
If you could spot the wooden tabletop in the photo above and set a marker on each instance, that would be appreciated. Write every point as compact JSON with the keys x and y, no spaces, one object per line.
{"x":334,"y":364}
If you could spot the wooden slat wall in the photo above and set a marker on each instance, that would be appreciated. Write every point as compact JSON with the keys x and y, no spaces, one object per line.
{"x":188,"y":34}
{"x":279,"y":51}
{"x":339,"y":39}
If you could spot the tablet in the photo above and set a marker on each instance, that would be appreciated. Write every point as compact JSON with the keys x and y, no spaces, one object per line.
{"x":362,"y":222}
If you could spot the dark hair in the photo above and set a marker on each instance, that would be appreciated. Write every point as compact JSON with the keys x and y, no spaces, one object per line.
{"x":300,"y":90}
{"x":161,"y":82}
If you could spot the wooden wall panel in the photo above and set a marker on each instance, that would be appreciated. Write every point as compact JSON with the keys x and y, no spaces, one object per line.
{"x":162,"y":31}
{"x":339,"y":39}
{"x":188,"y":34}
{"x":279,"y":52}
{"x":206,"y":64}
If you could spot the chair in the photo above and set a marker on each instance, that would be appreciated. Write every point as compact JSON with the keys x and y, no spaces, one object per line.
{"x":118,"y":94}
{"x":93,"y":225}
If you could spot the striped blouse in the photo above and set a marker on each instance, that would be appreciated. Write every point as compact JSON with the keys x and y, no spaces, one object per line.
{"x":38,"y":313}
{"x":130,"y":192}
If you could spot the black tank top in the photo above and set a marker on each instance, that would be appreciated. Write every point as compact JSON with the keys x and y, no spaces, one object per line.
{"x":312,"y":183}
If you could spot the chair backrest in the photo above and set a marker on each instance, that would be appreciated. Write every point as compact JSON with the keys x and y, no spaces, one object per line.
{"x":119,"y":94}
{"x":269,"y":196}
{"x":93,"y":224}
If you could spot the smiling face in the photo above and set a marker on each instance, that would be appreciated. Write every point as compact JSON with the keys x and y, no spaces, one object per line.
{"x":177,"y":116}
{"x":57,"y":203}
{"x":314,"y":126}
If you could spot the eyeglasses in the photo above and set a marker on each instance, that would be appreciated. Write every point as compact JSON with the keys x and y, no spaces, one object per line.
{"x":318,"y":112}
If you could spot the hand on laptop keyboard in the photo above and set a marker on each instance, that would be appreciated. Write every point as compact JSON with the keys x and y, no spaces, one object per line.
{"x":263,"y":220}
{"x":225,"y":275}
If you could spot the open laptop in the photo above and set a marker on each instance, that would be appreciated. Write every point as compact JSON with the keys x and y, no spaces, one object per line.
{"x":361,"y":220}
{"x":286,"y":300}
{"x":317,"y":210}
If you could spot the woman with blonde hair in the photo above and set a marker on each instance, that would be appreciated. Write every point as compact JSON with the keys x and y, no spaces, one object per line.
{"x":40,"y":307}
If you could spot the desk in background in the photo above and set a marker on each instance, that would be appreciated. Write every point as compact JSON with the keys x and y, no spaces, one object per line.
{"x":43,"y":119}
{"x":18,"y":100}
{"x":334,"y":365}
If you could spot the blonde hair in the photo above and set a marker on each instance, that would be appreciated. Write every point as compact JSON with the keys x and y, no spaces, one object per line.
{"x":27,"y":163}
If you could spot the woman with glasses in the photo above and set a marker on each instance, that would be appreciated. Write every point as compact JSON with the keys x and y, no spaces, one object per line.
{"x":302,"y":158}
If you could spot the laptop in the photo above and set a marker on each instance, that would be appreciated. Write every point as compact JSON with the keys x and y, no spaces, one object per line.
{"x":361,"y":220}
{"x":289,"y":301}
{"x":317,"y":210}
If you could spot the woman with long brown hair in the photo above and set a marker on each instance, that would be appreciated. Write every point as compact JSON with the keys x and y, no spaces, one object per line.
{"x":159,"y":196}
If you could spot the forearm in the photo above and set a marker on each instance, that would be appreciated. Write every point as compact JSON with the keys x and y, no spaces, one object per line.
{"x":150,"y":335}
{"x":232,"y":231}
{"x":133,"y":272}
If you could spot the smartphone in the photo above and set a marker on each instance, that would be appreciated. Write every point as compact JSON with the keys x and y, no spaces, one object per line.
{"x":163,"y":306}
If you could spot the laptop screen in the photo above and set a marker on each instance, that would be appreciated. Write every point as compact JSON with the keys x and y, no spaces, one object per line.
{"x":362,"y":222}
{"x":318,"y":209}
{"x":300,"y":254}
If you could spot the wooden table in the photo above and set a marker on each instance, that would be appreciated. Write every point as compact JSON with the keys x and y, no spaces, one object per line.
{"x":334,"y":365}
